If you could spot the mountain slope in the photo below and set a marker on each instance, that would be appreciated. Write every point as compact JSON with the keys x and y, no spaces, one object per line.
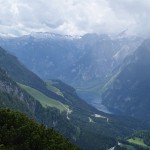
{"x":12,"y":96}
{"x":21,"y":74}
{"x":18,"y":71}
{"x":129,"y":92}
{"x":82,"y":124}
{"x":43,"y":99}
{"x":82,"y":62}
{"x":19,"y":132}
{"x":138,"y":141}
{"x":15,"y":98}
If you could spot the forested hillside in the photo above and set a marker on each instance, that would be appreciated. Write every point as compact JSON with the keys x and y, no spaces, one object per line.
{"x":17,"y":132}
{"x":82,"y":124}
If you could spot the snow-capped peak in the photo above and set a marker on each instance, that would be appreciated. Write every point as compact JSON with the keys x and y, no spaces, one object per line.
{"x":7,"y":35}
{"x":48,"y":35}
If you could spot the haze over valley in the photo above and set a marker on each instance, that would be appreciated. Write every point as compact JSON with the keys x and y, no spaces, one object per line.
{"x":75,"y":75}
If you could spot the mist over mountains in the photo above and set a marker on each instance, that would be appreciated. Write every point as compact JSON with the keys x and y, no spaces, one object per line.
{"x":56,"y":105}
{"x":128,"y":91}
{"x":74,"y":75}
{"x":110,"y":72}
{"x":85,"y":62}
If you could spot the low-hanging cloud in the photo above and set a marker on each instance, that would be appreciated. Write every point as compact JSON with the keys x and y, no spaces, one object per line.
{"x":19,"y":17}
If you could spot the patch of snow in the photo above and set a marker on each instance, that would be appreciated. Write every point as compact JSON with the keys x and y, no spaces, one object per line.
{"x":98,"y":116}
{"x":97,"y":103}
{"x":112,"y":148}
{"x":90,"y":120}
{"x":69,"y":111}
{"x":7,"y":35}
{"x":48,"y":35}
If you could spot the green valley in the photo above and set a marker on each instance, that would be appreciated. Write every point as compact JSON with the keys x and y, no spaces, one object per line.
{"x":138,"y":141}
{"x":43,"y":99}
{"x":50,"y":86}
{"x":57,"y":105}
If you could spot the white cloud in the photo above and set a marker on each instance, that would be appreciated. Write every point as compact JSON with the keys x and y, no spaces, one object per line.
{"x":74,"y":16}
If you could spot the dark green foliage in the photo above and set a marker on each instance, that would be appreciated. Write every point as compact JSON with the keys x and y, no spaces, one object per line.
{"x":19,"y":73}
{"x":7,"y":101}
{"x":130,"y":147}
{"x":125,"y":145}
{"x":12,"y":96}
{"x":52,"y":117}
{"x":81,"y":111}
{"x":73,"y":100}
{"x":99,"y":134}
{"x":17,"y":132}
{"x":78,"y":129}
{"x":99,"y":141}
{"x":145,"y":135}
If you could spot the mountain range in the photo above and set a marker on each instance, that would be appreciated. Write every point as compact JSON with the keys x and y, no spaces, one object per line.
{"x":55,"y":104}
{"x":127,"y":92}
{"x":35,"y":71}
{"x":84,"y":62}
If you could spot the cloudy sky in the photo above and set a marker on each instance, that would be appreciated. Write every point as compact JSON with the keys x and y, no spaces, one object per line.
{"x":74,"y":17}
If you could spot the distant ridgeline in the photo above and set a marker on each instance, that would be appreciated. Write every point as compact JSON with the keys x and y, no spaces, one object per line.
{"x":128,"y":91}
{"x":85,"y":62}
{"x":55,"y":104}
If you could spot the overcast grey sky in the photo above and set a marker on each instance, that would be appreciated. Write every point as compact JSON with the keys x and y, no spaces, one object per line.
{"x":74,"y":16}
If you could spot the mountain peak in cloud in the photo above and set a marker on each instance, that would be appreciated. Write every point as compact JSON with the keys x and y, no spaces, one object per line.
{"x":75,"y":17}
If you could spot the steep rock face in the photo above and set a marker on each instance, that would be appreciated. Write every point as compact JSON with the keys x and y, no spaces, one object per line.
{"x":129,"y":92}
{"x":71,"y":59}
{"x":84,"y":62}
{"x":19,"y":73}
{"x":72,"y":124}
{"x":83,"y":124}
{"x":73,"y":127}
{"x":14,"y":97}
